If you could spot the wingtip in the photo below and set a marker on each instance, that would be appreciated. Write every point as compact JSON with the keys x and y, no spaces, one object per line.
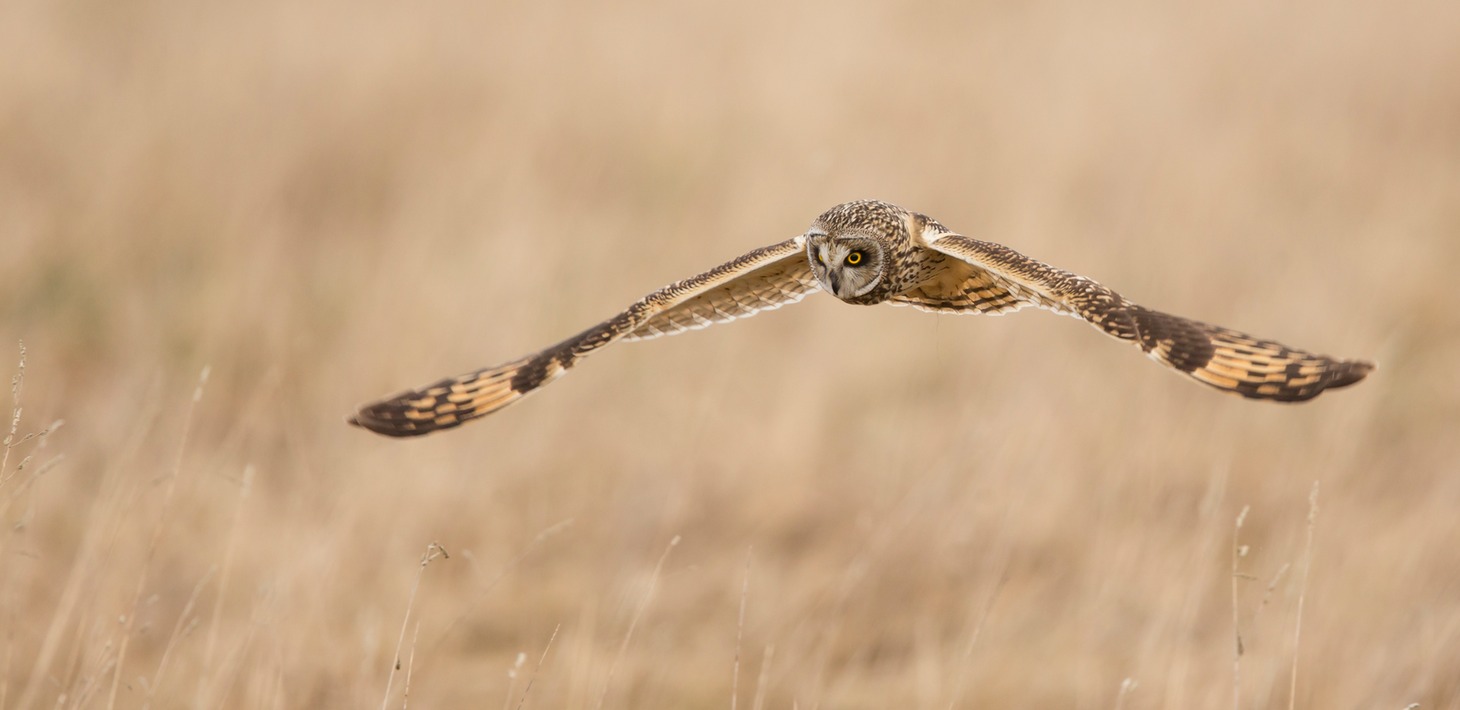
{"x":1354,"y":371}
{"x":363,"y":420}
{"x":370,"y":421}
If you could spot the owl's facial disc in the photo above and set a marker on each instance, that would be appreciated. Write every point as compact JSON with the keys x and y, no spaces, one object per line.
{"x":847,"y":267}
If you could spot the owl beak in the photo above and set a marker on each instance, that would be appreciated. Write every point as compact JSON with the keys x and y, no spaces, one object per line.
{"x":835,"y":281}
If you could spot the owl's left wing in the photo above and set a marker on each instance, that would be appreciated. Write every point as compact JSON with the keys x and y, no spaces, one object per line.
{"x":1226,"y":359}
{"x":764,"y":279}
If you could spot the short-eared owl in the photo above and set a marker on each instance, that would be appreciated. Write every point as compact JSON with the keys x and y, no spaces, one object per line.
{"x":874,"y":252}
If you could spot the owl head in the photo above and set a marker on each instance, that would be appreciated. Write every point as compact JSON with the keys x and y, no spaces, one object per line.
{"x":849,"y":247}
{"x":848,"y":266}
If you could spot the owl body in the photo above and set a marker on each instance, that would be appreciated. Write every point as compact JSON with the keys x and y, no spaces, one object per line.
{"x":870,"y":252}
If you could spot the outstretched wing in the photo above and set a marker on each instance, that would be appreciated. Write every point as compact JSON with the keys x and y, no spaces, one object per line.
{"x":754,"y":289}
{"x":764,"y":279}
{"x":1222,"y":358}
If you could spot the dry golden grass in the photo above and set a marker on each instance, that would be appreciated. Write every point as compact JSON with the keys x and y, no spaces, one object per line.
{"x":324,"y":202}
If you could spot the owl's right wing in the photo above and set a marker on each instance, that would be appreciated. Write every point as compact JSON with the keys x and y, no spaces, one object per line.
{"x":765,"y":283}
{"x":764,"y":279}
{"x":1229,"y":360}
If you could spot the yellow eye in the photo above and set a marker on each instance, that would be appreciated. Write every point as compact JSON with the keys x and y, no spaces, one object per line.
{"x":854,"y":258}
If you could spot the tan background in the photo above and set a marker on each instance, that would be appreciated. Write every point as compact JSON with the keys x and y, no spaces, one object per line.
{"x":329,"y":201}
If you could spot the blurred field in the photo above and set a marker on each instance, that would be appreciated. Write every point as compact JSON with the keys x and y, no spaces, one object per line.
{"x":325,"y":202}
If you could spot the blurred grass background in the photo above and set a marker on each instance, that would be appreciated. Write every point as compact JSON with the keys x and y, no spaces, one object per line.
{"x":325,"y":202}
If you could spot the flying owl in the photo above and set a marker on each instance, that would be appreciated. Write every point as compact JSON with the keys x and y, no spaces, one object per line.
{"x":873,"y":252}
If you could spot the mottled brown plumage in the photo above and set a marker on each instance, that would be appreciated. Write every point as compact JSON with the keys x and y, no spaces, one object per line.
{"x":872,"y":252}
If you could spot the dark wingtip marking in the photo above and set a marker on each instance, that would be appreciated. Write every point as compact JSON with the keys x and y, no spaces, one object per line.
{"x":444,"y":404}
{"x":387,"y":425}
{"x":1341,"y":373}
{"x":389,"y":417}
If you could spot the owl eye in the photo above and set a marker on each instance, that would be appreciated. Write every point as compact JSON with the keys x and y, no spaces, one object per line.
{"x":854,"y":258}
